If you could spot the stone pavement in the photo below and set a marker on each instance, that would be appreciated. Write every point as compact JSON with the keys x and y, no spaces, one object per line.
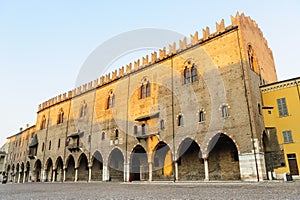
{"x":153,"y":190}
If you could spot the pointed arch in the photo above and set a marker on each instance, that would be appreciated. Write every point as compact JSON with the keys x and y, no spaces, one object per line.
{"x":190,"y":161}
{"x":70,"y":168}
{"x":49,"y":169}
{"x":223,"y":158}
{"x":194,"y":73}
{"x":97,"y":166}
{"x":138,"y":164}
{"x":59,"y":165}
{"x":83,"y":168}
{"x":37,"y":170}
{"x":116,"y":165}
{"x":162,"y":162}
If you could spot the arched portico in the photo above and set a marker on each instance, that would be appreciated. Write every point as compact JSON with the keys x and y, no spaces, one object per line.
{"x":162,"y":162}
{"x":223,"y":159}
{"x":190,"y":162}
{"x":83,"y":168}
{"x":97,"y":167}
{"x":139,"y":168}
{"x":59,"y":170}
{"x":70,"y":169}
{"x":27,"y":171}
{"x":49,"y":170}
{"x":116,"y":165}
{"x":37,"y":171}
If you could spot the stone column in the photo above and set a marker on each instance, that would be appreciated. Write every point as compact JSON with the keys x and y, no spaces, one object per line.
{"x":90,"y":173}
{"x":19,"y":177}
{"x":176,"y":170}
{"x":150,"y":171}
{"x":24,"y":176}
{"x":206,"y":169}
{"x":126,"y":172}
{"x":43,"y":175}
{"x":76,"y":175}
{"x":64,"y":178}
{"x":105,"y":173}
{"x":53,"y":175}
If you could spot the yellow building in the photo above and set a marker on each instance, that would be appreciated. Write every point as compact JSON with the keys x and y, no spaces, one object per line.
{"x":281,"y":111}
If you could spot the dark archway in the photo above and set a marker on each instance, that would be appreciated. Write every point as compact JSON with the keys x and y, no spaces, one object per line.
{"x":37,"y":171}
{"x":49,"y":170}
{"x":83,"y":168}
{"x":17,"y":174}
{"x":139,"y":167}
{"x":59,"y":175}
{"x":223,"y":160}
{"x":22,"y":170}
{"x":70,"y":170}
{"x":97,"y":167}
{"x":190,"y":162}
{"x":8,"y":173}
{"x":162,"y":162}
{"x":116,"y":165}
{"x":12,"y":173}
{"x":27,"y":178}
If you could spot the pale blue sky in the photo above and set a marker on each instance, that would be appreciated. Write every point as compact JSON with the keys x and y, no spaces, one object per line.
{"x":43,"y":44}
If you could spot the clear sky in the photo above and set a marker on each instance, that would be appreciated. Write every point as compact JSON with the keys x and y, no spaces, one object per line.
{"x":43,"y":44}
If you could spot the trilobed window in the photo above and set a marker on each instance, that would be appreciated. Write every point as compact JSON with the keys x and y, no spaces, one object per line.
{"x":110,"y":100}
{"x":224,"y":111}
{"x":60,"y":117}
{"x":83,"y":109}
{"x":180,"y":120}
{"x":201,"y":116}
{"x":194,"y":73}
{"x":186,"y":75}
{"x":145,"y":90}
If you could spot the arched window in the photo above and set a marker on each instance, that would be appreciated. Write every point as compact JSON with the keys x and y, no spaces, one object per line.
{"x":43,"y":123}
{"x":43,"y":146}
{"x":145,"y":90}
{"x":201,"y":116}
{"x":135,"y":130}
{"x":252,"y":59}
{"x":60,"y":118}
{"x":225,"y":111}
{"x":83,"y":109}
{"x":143,"y":129}
{"x":180,"y":120}
{"x":110,"y":100}
{"x":116,"y":134}
{"x":103,"y":136}
{"x":50,"y":145}
{"x":162,"y":124}
{"x":58,"y":145}
{"x":187,"y":75}
{"x":194,"y":73}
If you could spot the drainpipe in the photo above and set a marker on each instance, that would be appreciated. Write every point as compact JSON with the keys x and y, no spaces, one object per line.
{"x":127,"y":168}
{"x":248,"y":107}
{"x":65,"y":147}
{"x":173,"y":124}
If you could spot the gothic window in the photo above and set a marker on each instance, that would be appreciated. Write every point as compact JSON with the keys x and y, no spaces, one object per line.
{"x":186,"y":75}
{"x":180,"y":120}
{"x":162,"y":124}
{"x":224,"y":110}
{"x":145,"y":90}
{"x":43,"y":123}
{"x":135,"y":130}
{"x":116,"y":134}
{"x":110,"y":100}
{"x":103,"y":136}
{"x":201,"y":116}
{"x":252,"y":59}
{"x":83,"y":109}
{"x":60,"y":118}
{"x":194,"y":73}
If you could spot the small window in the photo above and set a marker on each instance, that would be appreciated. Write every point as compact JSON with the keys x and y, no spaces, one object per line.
{"x":116,"y":134}
{"x":50,"y":145}
{"x":186,"y":75}
{"x":201,"y":116}
{"x":162,"y":124}
{"x":58,"y":145}
{"x":43,"y":146}
{"x":143,"y":129}
{"x":60,"y":118}
{"x":103,"y":136}
{"x":225,"y":111}
{"x":194,"y":73}
{"x":135,"y":130}
{"x":89,"y":138}
{"x":282,"y":107}
{"x":269,"y":112}
{"x":287,"y":136}
{"x":180,"y":120}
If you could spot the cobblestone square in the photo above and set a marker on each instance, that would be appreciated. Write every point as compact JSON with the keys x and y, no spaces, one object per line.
{"x":154,"y":190}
